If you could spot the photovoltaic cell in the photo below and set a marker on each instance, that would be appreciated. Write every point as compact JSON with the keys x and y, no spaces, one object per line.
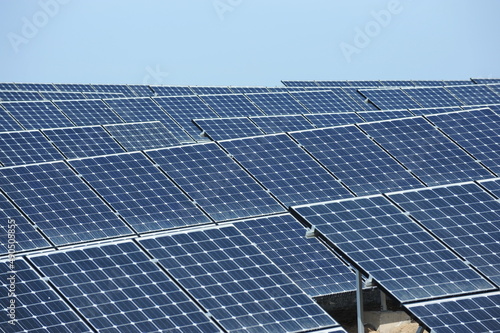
{"x":76,"y":142}
{"x":244,"y":90}
{"x":118,"y":289}
{"x":217,"y":184}
{"x":7,"y":123}
{"x":140,"y":136}
{"x":474,"y":95}
{"x":426,"y":111}
{"x":322,"y":101}
{"x":476,"y":131}
{"x":24,"y":236}
{"x":333,"y":119}
{"x":60,"y":203}
{"x":141,"y":90}
{"x":59,"y":95}
{"x":36,"y":86}
{"x":478,"y":313}
{"x":211,"y":90}
{"x":391,"y":83}
{"x":234,"y":105}
{"x":287,"y":89}
{"x":390,"y":99}
{"x":359,"y":162}
{"x":20,"y":96}
{"x":360,"y":84}
{"x":228,"y":128}
{"x":280,"y":124}
{"x":8,"y":86}
{"x":114,"y":88}
{"x":37,"y":307}
{"x":425,"y":151}
{"x":359,"y":100}
{"x":134,"y":110}
{"x":26,"y":147}
{"x":277,"y":103}
{"x":36,"y":115}
{"x":493,"y":186}
{"x":74,"y":87}
{"x":100,"y":95}
{"x":400,"y":255}
{"x":432,"y":97}
{"x":285,"y":169}
{"x":139,"y":192}
{"x":428,"y":83}
{"x":240,"y":287}
{"x":457,"y":82}
{"x":486,"y":81}
{"x":171,"y":90}
{"x":307,"y":262}
{"x":384,"y":115}
{"x":332,"y":83}
{"x":88,"y":112}
{"x":465,"y":217}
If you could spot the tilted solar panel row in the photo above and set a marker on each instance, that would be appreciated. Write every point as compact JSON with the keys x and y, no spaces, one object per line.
{"x":382,"y":83}
{"x":22,"y":95}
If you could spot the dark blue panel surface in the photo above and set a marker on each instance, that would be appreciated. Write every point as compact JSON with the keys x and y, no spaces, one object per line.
{"x":280,"y":124}
{"x":20,"y":96}
{"x":383,"y":115}
{"x":474,"y":95}
{"x":210,"y":90}
{"x":140,"y":136}
{"x":88,"y":112}
{"x":74,"y":87}
{"x":59,"y":95}
{"x":36,"y":86}
{"x":36,"y":115}
{"x":432,"y":97}
{"x":390,"y":99}
{"x":172,"y":90}
{"x":277,"y":104}
{"x":114,"y":88}
{"x":322,"y":101}
{"x":7,"y":123}
{"x":234,"y":105}
{"x":333,"y":119}
{"x":426,"y":111}
{"x":228,"y":128}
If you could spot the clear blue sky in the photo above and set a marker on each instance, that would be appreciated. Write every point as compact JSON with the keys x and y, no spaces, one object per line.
{"x":246,"y":42}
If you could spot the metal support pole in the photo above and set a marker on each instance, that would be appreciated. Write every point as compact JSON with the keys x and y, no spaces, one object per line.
{"x":359,"y":301}
{"x":420,"y":330}
{"x":383,"y":301}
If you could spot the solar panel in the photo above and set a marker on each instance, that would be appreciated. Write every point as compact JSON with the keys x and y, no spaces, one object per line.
{"x":322,"y":101}
{"x":493,"y":186}
{"x":36,"y":86}
{"x":474,"y":95}
{"x":7,"y":122}
{"x":425,"y":151}
{"x":476,"y":313}
{"x":359,"y":162}
{"x":360,"y":84}
{"x":37,"y":307}
{"x":386,"y":244}
{"x":184,"y":109}
{"x":140,"y":136}
{"x":396,"y":83}
{"x":277,"y":103}
{"x":100,"y":95}
{"x":17,"y":233}
{"x":217,"y":184}
{"x":240,"y":287}
{"x":285,"y":169}
{"x":465,"y":217}
{"x":74,"y":87}
{"x":280,"y":124}
{"x":495,"y":87}
{"x":332,"y":83}
{"x":61,"y":95}
{"x":360,"y":102}
{"x":428,"y":83}
{"x":235,"y":105}
{"x":20,"y":96}
{"x":60,"y":203}
{"x":333,"y":119}
{"x":287,"y":89}
{"x":25,"y":147}
{"x":294,"y":83}
{"x":141,"y":90}
{"x":307,"y":262}
{"x":35,"y":115}
{"x":76,"y":142}
{"x":426,"y":111}
{"x":171,"y":90}
{"x":432,"y":97}
{"x":134,"y":110}
{"x":114,"y":88}
{"x":139,"y":192}
{"x":210,"y":90}
{"x":478,"y":132}
{"x":384,"y":115}
{"x":243,"y":90}
{"x":88,"y":112}
{"x":8,"y":86}
{"x":228,"y":128}
{"x":390,"y":99}
{"x":118,"y":289}
{"x":486,"y":81}
{"x":457,"y":82}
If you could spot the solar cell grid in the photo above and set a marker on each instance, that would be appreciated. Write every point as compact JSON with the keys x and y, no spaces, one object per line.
{"x":428,"y":83}
{"x":293,"y":83}
{"x":492,"y":185}
{"x":55,"y":95}
{"x":39,"y":114}
{"x":8,"y":86}
{"x":113,"y":88}
{"x":240,"y":287}
{"x":277,"y":104}
{"x":457,"y":82}
{"x":20,"y":96}
{"x":280,"y":124}
{"x":474,"y":95}
{"x":139,"y":192}
{"x":234,"y":105}
{"x":100,"y":95}
{"x":171,"y":90}
{"x":332,"y":83}
{"x":358,"y":100}
{"x":333,"y":119}
{"x":8,"y":123}
{"x":243,"y":90}
{"x":486,"y":81}
{"x":390,"y":99}
{"x":218,"y":185}
{"x":140,"y":136}
{"x":495,"y":87}
{"x":141,"y":90}
{"x":359,"y":162}
{"x":425,"y":151}
{"x":36,"y":86}
{"x":287,"y":89}
{"x":359,"y":84}
{"x":88,"y":112}
{"x":400,"y":256}
{"x":391,"y":83}
{"x":285,"y":169}
{"x":432,"y":97}
{"x":426,"y":111}
{"x":118,"y":289}
{"x":384,"y":115}
{"x":210,"y":90}
{"x":60,"y":203}
{"x":74,"y":87}
{"x":322,"y":101}
{"x":228,"y":128}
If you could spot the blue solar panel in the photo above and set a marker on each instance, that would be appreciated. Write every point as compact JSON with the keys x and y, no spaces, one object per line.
{"x":333,"y":119}
{"x":36,"y":115}
{"x":390,"y":99}
{"x":26,"y":147}
{"x":457,"y":82}
{"x":474,"y":95}
{"x":141,"y":90}
{"x":217,"y":184}
{"x":360,"y":84}
{"x":20,"y":96}
{"x":211,"y":90}
{"x":332,"y":83}
{"x":88,"y":112}
{"x":285,"y":169}
{"x":322,"y":101}
{"x":7,"y":122}
{"x":240,"y":287}
{"x":465,"y":217}
{"x":235,"y":105}
{"x":171,"y":90}
{"x":395,"y":83}
{"x":359,"y":100}
{"x":478,"y":132}
{"x":140,"y":136}
{"x":400,"y":255}
{"x":60,"y":203}
{"x":113,"y":88}
{"x":493,"y":186}
{"x":36,"y":86}
{"x":16,"y":232}
{"x":8,"y":86}
{"x":280,"y":124}
{"x":294,"y":83}
{"x":139,"y":192}
{"x":118,"y":289}
{"x":244,"y":90}
{"x":486,"y":81}
{"x":228,"y":128}
{"x":75,"y":142}
{"x":359,"y":163}
{"x":277,"y":103}
{"x":59,"y":95}
{"x":425,"y":151}
{"x":37,"y":307}
{"x":477,"y":313}
{"x":100,"y":95}
{"x":428,"y":83}
{"x":384,"y":115}
{"x":309,"y":263}
{"x":425,"y":111}
{"x":495,"y":88}
{"x":287,"y":89}
{"x":432,"y":97}
{"x":74,"y":87}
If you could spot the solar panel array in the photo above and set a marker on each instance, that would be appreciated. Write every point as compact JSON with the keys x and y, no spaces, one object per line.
{"x":123,"y":223}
